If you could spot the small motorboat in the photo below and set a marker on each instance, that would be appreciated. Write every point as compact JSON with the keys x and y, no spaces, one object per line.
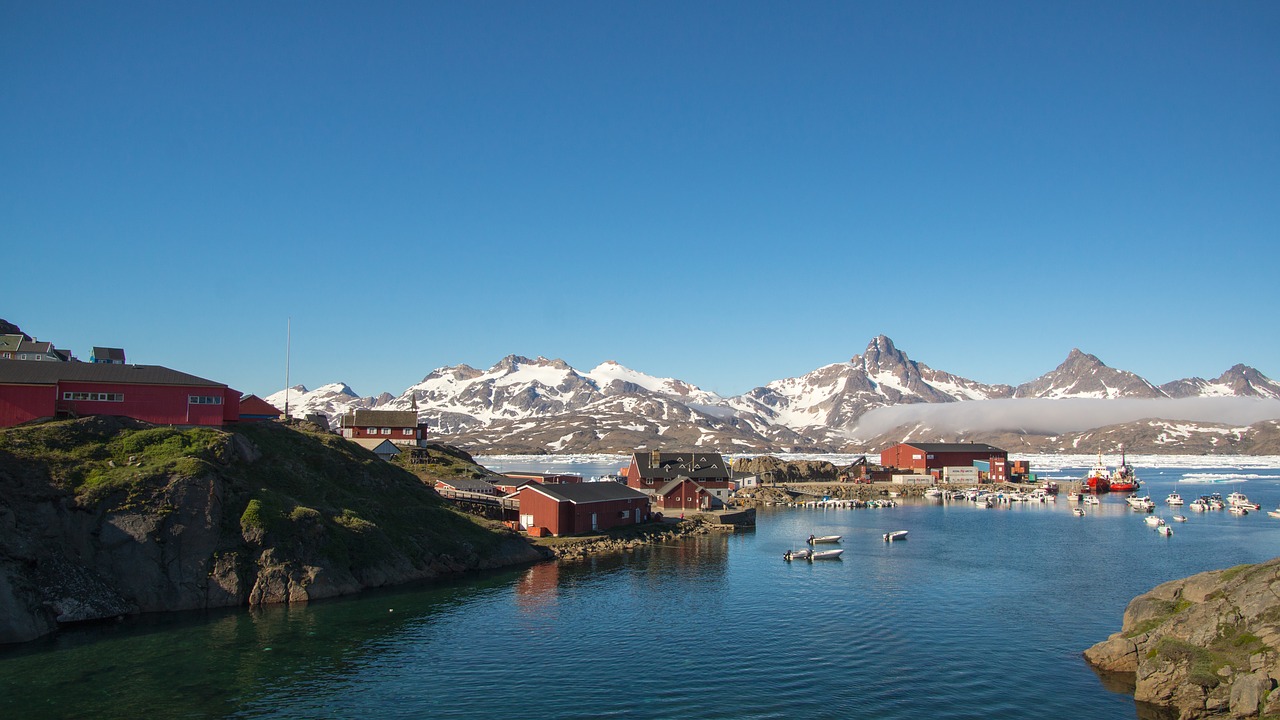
{"x":796,"y":555}
{"x":814,"y":540}
{"x":1198,"y":505}
{"x":1179,"y":518}
{"x":1238,"y":510}
{"x":825,"y":555}
{"x":1165,"y":530}
{"x":1078,"y":512}
{"x":895,"y":535}
{"x":1173,"y":498}
{"x":1274,"y":513}
{"x":1092,"y":500}
{"x":1153,"y":521}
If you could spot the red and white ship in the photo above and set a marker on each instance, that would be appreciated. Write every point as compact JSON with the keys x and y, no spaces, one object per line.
{"x":1124,"y":479}
{"x":1099,"y":478}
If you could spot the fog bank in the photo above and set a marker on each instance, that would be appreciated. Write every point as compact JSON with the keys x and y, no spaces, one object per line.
{"x":1054,"y":417}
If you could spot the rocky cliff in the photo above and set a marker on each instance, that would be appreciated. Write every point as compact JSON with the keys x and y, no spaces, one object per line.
{"x":102,"y":517}
{"x":1205,"y":646}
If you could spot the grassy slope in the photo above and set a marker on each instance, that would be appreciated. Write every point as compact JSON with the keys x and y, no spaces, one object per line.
{"x":305,"y":488}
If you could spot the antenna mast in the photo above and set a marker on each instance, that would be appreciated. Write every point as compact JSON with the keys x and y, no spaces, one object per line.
{"x":288,"y":343}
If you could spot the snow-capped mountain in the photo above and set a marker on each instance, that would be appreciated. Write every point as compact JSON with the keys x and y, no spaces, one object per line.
{"x":835,"y":396}
{"x":1239,"y":381}
{"x":1084,"y":376}
{"x":543,"y":405}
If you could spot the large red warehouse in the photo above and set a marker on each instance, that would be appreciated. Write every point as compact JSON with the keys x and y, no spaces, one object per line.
{"x":569,"y":508}
{"x":924,"y":457}
{"x":34,"y":390}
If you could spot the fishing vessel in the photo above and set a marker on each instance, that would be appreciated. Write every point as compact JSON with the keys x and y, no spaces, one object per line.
{"x":1124,"y":479}
{"x":1099,"y":478}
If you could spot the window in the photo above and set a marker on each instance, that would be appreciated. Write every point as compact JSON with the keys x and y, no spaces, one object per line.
{"x":408,"y":432}
{"x":386,"y":431}
{"x":97,"y":397}
{"x":205,"y":399}
{"x":371,"y":431}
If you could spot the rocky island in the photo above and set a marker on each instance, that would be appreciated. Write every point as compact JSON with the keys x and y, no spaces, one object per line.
{"x":1204,"y":646}
{"x":102,"y":517}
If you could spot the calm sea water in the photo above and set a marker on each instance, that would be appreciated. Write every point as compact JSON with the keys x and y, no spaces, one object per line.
{"x":981,"y":613}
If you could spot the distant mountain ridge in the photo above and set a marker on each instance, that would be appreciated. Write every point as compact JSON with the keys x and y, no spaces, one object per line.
{"x":541,"y":405}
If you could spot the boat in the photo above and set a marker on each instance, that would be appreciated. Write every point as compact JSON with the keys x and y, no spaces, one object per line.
{"x":1050,"y":487}
{"x":1165,"y":530}
{"x":1179,"y":518}
{"x":933,"y":492}
{"x":1274,"y":513}
{"x":1173,"y":498}
{"x":1141,"y":504}
{"x":1078,"y":512}
{"x":825,"y":555}
{"x":1099,"y":478}
{"x":1198,"y":505}
{"x":1238,"y":510}
{"x":1092,"y":500}
{"x":797,"y":555}
{"x":824,"y":539}
{"x":1124,"y":479}
{"x":1073,"y":496}
{"x":895,"y":535}
{"x":1153,"y":520}
{"x":1237,"y":499}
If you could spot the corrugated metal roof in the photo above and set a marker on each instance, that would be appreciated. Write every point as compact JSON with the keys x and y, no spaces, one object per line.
{"x":591,"y":492}
{"x":470,"y":485}
{"x":48,"y":373}
{"x":101,"y":353}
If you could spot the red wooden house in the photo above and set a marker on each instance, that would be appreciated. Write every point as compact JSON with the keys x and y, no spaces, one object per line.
{"x":35,"y":390}
{"x":399,"y":426}
{"x":570,"y":508}
{"x":685,"y":494}
{"x":650,"y":472}
{"x":254,"y":408}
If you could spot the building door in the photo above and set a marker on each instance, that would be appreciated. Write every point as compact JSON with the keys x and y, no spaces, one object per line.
{"x":526,"y":521}
{"x":594,"y":524}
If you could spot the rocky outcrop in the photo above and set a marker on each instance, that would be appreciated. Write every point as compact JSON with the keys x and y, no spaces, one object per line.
{"x":1205,"y":646}
{"x":262,"y":515}
{"x":773,"y":469}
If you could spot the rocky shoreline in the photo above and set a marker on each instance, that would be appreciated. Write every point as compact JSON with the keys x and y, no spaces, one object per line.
{"x":1204,"y":646}
{"x":571,"y":548}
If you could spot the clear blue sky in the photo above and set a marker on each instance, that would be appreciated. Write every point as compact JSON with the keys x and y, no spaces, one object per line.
{"x":729,"y":193}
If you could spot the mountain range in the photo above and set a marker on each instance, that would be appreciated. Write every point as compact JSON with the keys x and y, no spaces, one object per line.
{"x":523,"y":405}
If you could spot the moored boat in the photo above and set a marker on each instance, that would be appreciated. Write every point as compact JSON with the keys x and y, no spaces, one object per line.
{"x":1153,"y":520}
{"x":814,"y":540}
{"x":1238,"y":510}
{"x":826,"y":555}
{"x":1165,"y":530}
{"x":797,"y":555}
{"x":1274,"y":513}
{"x":1124,"y":479}
{"x":1173,"y":498}
{"x":895,"y":535}
{"x":1078,"y":512}
{"x":1179,"y":518}
{"x":1099,"y":478}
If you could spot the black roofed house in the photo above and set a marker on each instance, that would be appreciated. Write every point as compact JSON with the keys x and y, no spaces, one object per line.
{"x":649,"y":472}
{"x":685,"y":494}
{"x":399,"y":426}
{"x":570,"y":508}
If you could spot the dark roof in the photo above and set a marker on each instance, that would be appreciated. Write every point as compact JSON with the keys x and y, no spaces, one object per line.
{"x":469,"y":485}
{"x":673,"y":484}
{"x":696,"y":465}
{"x":381,"y":418}
{"x":48,"y":373}
{"x":36,"y":346}
{"x":101,"y":353}
{"x":591,"y":492}
{"x":955,"y":447}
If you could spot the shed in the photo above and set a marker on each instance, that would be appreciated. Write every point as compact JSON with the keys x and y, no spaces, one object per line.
{"x":384,"y":449}
{"x":569,"y":508}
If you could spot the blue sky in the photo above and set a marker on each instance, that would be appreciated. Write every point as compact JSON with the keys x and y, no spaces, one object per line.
{"x":727,"y":193}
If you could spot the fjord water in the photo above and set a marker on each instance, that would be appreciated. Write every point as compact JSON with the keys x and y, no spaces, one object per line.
{"x":981,"y":613}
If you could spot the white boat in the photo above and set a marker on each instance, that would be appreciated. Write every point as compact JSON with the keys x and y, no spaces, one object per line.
{"x":1238,"y":510}
{"x":1078,"y":512}
{"x":1179,"y":518}
{"x":1173,"y":498}
{"x":797,"y":555}
{"x":1165,"y":530}
{"x":1091,"y":500}
{"x":895,"y":535}
{"x":1237,"y":498}
{"x":824,"y":539}
{"x":1198,"y":505}
{"x":1274,"y":513}
{"x":933,"y":492}
{"x":825,"y":555}
{"x":1153,"y":520}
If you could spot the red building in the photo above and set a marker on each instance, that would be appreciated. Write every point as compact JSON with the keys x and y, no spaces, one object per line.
{"x":651,"y":472}
{"x":567,"y":509}
{"x":685,"y":494}
{"x":254,"y":408}
{"x":544,"y":478}
{"x":399,"y":426}
{"x":924,"y":458}
{"x":154,"y":394}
